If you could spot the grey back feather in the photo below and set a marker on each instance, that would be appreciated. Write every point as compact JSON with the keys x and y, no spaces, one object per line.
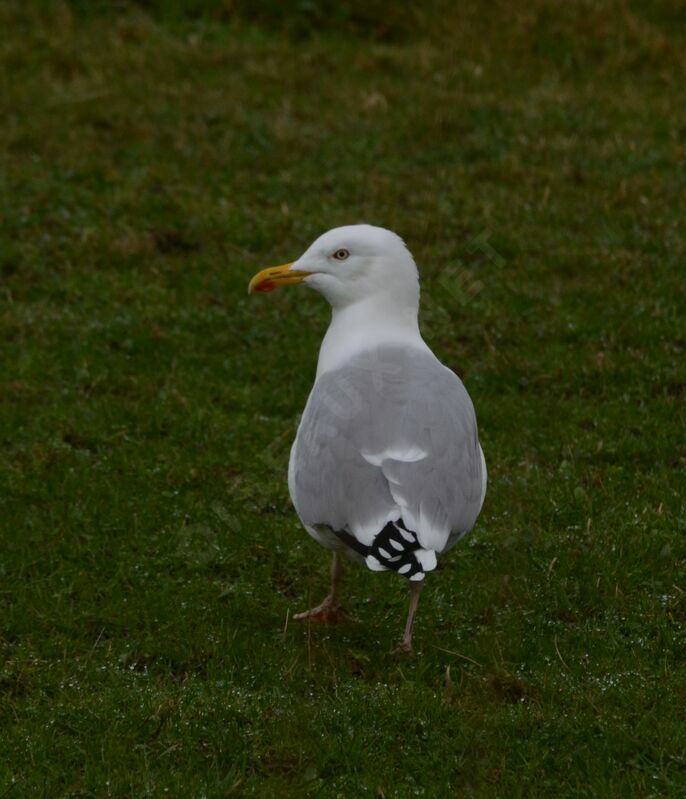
{"x":391,"y":434}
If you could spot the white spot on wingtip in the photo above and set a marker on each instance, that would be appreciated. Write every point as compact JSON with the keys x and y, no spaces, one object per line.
{"x":374,"y":564}
{"x":383,"y":553}
{"x":416,"y":577}
{"x":396,"y":545}
{"x":426,"y":558}
{"x":405,"y":568}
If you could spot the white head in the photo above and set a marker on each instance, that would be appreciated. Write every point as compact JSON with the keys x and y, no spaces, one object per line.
{"x":349,"y":264}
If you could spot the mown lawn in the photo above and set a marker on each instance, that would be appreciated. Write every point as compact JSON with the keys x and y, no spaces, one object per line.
{"x":532,"y":155}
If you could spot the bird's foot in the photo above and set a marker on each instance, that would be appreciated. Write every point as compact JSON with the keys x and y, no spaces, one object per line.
{"x":329,"y":612}
{"x":404,"y":646}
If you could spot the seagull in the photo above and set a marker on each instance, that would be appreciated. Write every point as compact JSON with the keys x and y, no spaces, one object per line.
{"x":386,"y":468}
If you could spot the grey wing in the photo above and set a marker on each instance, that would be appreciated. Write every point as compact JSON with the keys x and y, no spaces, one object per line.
{"x":390,"y":436}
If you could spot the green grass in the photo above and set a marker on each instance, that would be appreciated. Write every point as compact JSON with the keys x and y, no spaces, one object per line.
{"x":531,"y":154}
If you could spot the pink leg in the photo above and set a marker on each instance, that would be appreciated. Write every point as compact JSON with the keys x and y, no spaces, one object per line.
{"x":415,"y":590}
{"x":329,"y":611}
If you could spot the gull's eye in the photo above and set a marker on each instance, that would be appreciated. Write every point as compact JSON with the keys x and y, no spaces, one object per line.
{"x":341,"y":255}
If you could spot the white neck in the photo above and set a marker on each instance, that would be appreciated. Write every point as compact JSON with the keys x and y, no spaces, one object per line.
{"x":364,"y":325}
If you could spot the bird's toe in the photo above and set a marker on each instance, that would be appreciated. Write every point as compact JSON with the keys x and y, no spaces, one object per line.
{"x":403,"y":647}
{"x":326,"y":613}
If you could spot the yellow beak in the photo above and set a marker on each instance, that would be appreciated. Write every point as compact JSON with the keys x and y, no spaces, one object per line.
{"x":275,"y":276}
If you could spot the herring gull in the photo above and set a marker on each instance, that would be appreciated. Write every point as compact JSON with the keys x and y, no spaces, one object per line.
{"x":386,"y":468}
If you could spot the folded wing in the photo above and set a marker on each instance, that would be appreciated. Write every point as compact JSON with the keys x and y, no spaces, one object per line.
{"x":390,"y":436}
